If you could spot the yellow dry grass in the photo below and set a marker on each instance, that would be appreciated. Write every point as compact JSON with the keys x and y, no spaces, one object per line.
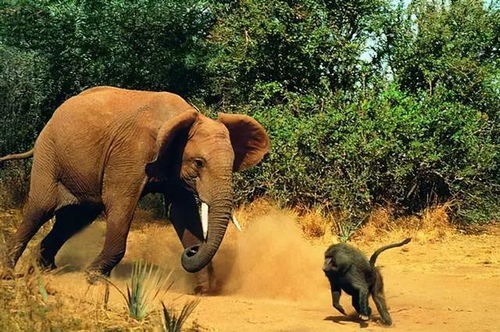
{"x":314,"y":223}
{"x":432,"y":224}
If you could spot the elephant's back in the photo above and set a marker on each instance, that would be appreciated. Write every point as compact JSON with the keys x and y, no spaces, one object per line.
{"x":97,"y":116}
{"x":104,"y":104}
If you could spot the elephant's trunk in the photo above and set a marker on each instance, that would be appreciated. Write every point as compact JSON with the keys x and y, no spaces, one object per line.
{"x":197,"y":257}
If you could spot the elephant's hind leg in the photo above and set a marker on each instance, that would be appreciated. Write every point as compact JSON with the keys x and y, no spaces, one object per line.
{"x":42,"y":202}
{"x":36,"y":214}
{"x":69,"y":221}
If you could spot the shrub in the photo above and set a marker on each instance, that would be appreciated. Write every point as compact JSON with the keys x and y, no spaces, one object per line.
{"x":390,"y":148}
{"x":24,"y":86}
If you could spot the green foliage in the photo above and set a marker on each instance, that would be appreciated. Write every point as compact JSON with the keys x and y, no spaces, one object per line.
{"x":367,"y":102}
{"x":174,"y":323}
{"x":264,"y":48}
{"x":143,"y":44}
{"x":450,"y":47}
{"x":23,"y":89}
{"x":24,"y":86}
{"x":390,"y":148}
{"x":154,"y":203}
{"x":146,"y":282}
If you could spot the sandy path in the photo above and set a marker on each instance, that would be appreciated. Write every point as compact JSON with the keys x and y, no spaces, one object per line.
{"x":449,"y":285}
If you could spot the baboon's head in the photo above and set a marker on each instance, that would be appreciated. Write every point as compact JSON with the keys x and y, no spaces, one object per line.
{"x":329,"y":265}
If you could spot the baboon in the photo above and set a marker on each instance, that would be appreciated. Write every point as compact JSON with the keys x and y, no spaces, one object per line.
{"x":348,"y":269}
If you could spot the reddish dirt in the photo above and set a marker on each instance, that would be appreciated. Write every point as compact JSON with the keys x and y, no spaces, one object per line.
{"x":272,"y":280}
{"x":453,"y":285}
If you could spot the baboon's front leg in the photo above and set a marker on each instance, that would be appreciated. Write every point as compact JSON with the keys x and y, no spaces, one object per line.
{"x":336,"y":292}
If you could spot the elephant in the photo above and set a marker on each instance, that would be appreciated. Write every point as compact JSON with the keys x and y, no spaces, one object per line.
{"x":106,"y":147}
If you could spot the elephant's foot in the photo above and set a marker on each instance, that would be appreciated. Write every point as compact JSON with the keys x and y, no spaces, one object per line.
{"x":203,"y":285}
{"x":95,"y":276}
{"x":202,"y":290}
{"x":205,"y":281}
{"x":46,"y":263}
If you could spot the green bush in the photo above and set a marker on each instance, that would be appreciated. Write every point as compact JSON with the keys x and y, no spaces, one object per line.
{"x":391,"y":148}
{"x":368,"y":102}
{"x":146,"y":44}
{"x":293,"y":46}
{"x":24,"y":87}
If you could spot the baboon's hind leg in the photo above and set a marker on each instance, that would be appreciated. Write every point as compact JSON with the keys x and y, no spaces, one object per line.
{"x":379,"y":298}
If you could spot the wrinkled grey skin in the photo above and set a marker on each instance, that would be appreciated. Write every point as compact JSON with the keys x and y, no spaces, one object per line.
{"x":106,"y":147}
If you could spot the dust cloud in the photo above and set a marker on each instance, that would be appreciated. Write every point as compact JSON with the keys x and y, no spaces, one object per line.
{"x":82,"y":248}
{"x":270,"y":258}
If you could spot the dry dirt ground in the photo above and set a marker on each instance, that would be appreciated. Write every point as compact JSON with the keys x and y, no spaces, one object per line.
{"x":270,"y":279}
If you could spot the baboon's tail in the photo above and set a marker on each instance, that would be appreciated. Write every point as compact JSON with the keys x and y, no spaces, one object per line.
{"x":373,"y":259}
{"x":23,"y":155}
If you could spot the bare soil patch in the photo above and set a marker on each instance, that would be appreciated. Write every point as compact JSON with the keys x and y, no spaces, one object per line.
{"x":269,"y":278}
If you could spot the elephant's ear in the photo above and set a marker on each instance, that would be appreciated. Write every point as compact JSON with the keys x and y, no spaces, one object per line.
{"x":248,"y":138}
{"x":165,"y":146}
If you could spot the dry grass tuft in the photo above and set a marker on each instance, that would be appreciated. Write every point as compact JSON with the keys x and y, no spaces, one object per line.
{"x":14,"y":186}
{"x":432,"y":225}
{"x":258,"y":208}
{"x":314,"y":224}
{"x":29,"y":304}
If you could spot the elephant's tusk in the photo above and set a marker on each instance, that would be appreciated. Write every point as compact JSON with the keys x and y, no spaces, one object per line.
{"x":204,"y":219}
{"x":236,"y":223}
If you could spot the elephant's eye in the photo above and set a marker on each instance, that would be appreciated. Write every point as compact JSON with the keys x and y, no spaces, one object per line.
{"x":199,"y":163}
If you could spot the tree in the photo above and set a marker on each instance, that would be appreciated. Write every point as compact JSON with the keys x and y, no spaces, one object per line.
{"x":144,"y":44}
{"x":265,"y":48}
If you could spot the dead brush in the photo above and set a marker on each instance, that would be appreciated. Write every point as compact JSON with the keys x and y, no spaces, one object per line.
{"x":314,"y":223}
{"x":27,"y":304}
{"x":430,"y":225}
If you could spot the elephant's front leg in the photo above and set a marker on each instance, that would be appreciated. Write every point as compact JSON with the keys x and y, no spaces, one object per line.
{"x":117,"y":228}
{"x":185,"y":217}
{"x":119,"y":208}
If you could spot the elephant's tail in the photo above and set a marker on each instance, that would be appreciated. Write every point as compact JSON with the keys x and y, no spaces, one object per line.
{"x":24,"y":155}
